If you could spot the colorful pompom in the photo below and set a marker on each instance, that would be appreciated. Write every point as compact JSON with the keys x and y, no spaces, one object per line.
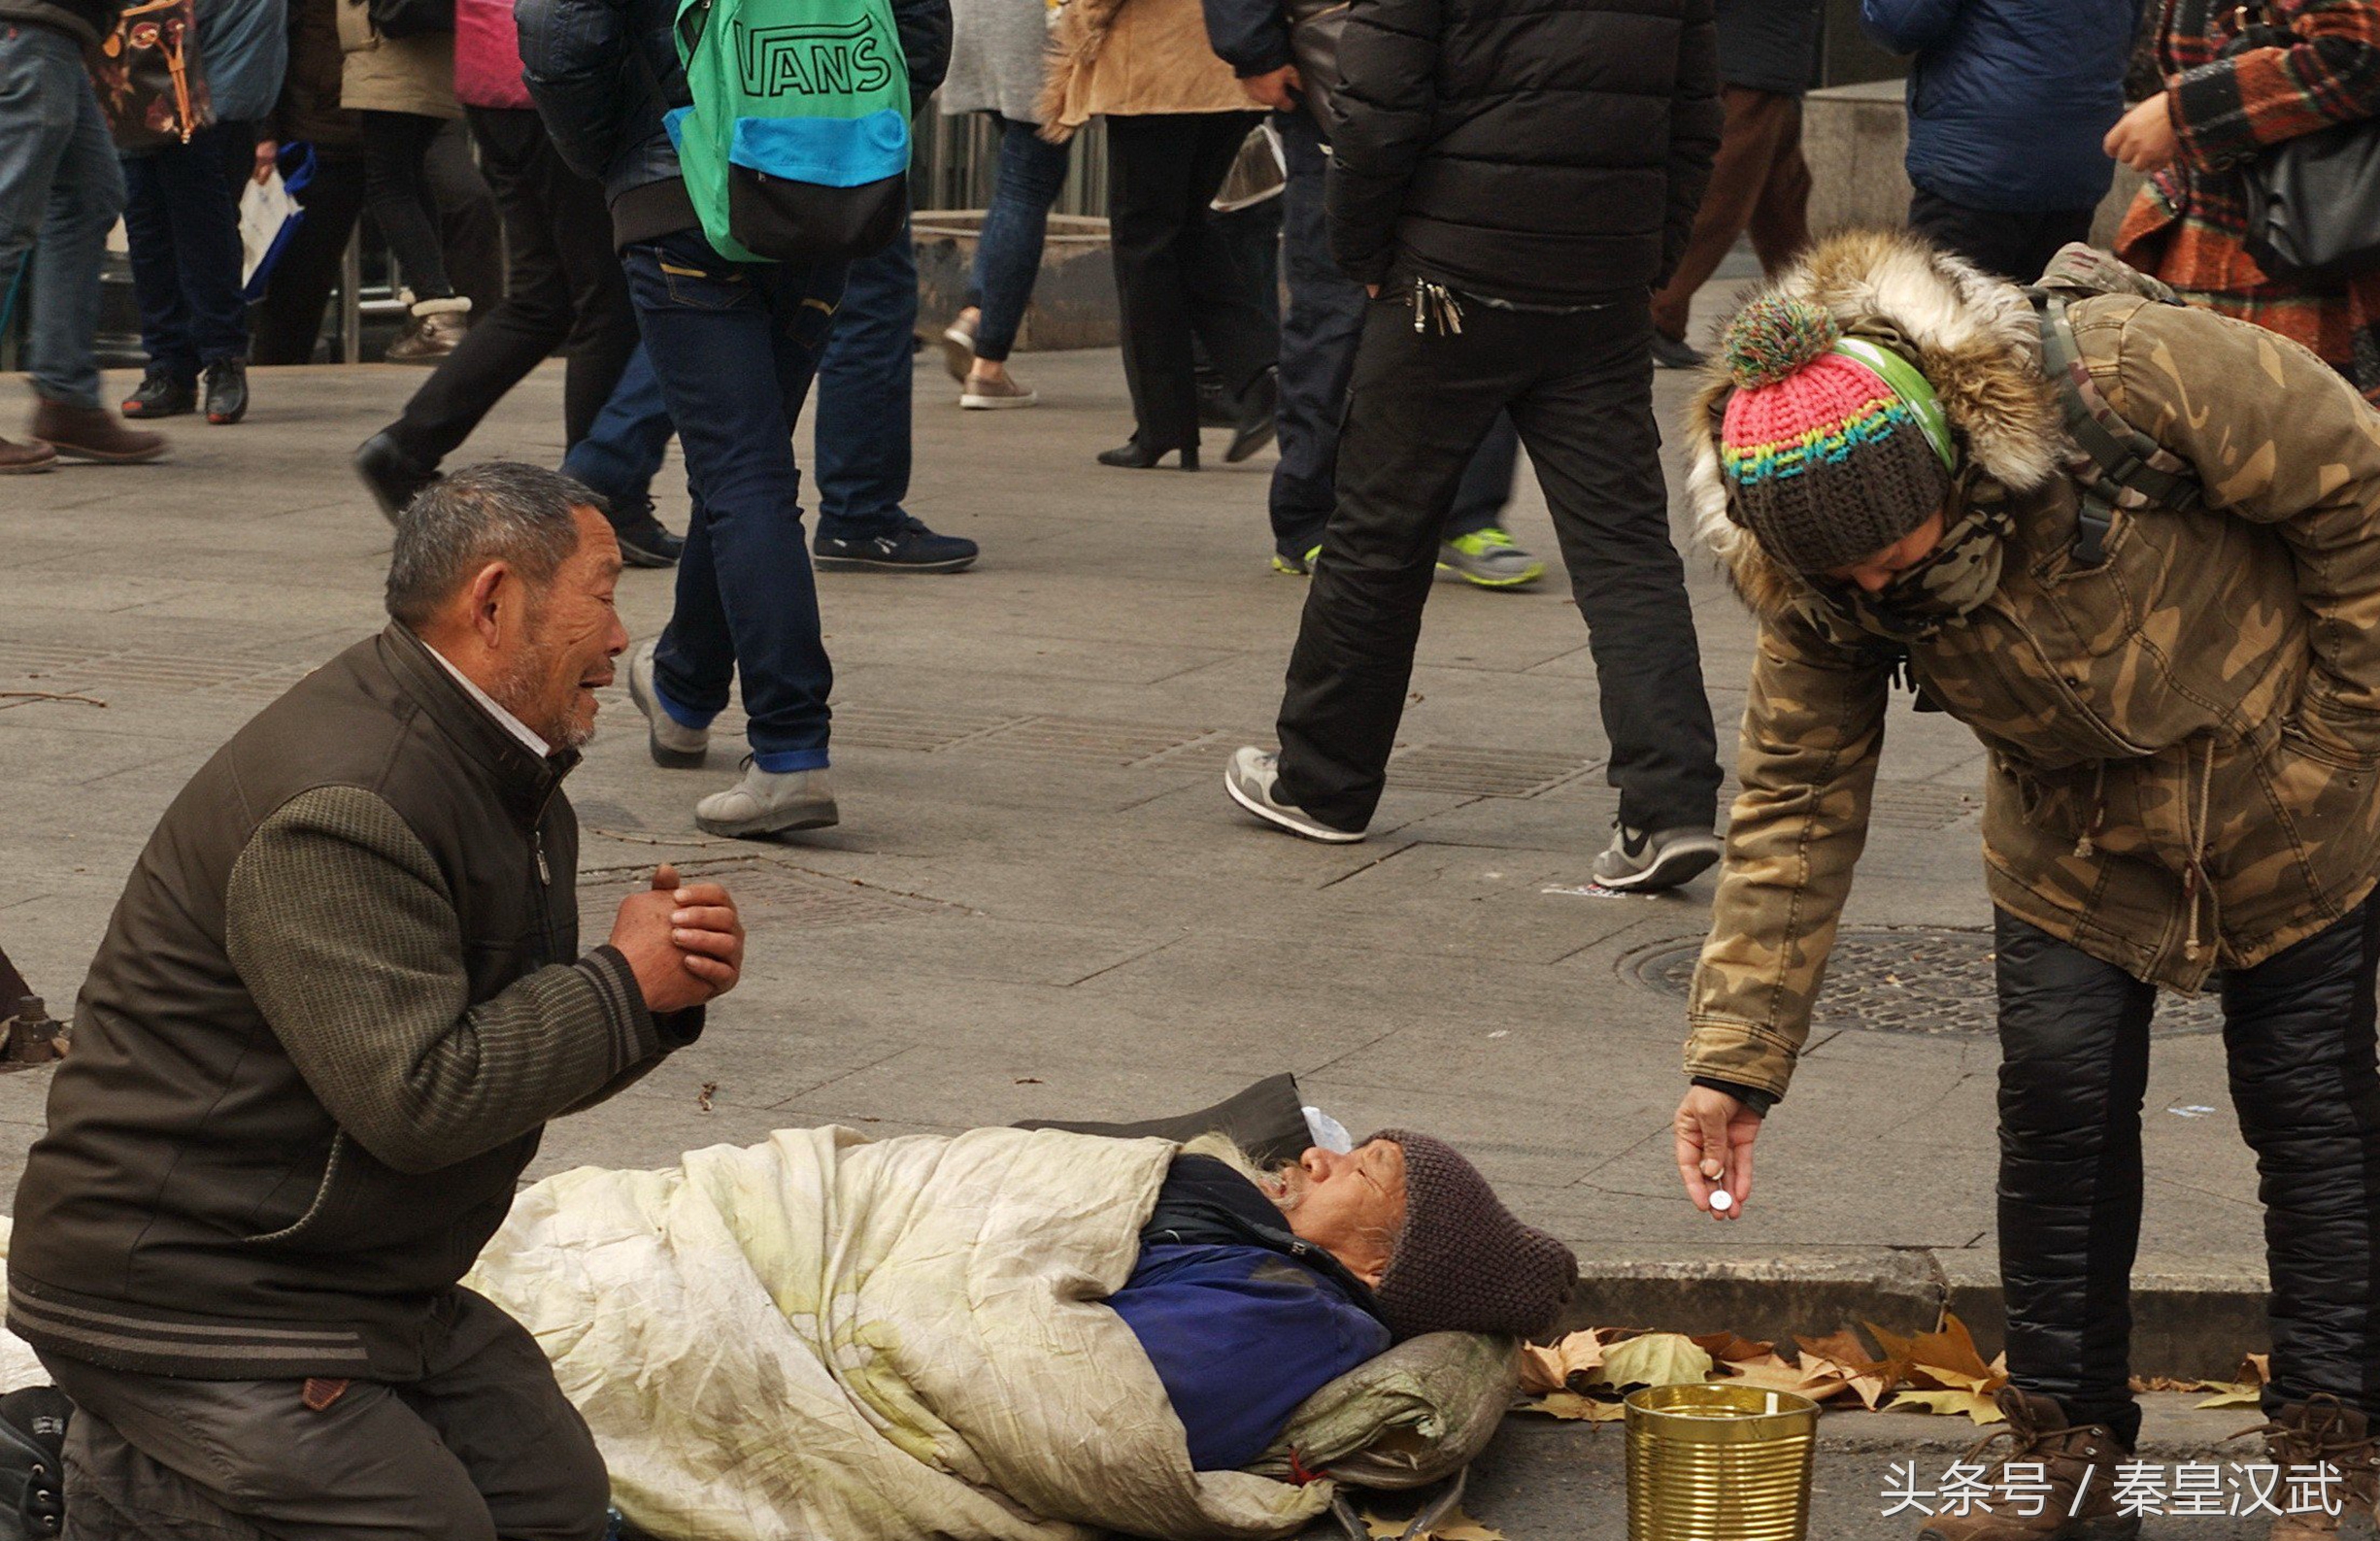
{"x":1772,"y":337}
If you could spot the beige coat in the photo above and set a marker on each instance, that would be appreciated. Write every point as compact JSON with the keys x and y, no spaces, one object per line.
{"x":1130,"y":59}
{"x":394,"y":75}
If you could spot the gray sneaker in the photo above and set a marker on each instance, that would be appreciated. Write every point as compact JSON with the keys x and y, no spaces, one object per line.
{"x":1647,"y":861}
{"x":672,"y":742}
{"x":1489,"y":559}
{"x":1249,"y":779}
{"x":766,"y":802}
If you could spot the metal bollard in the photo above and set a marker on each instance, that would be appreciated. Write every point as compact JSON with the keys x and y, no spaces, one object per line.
{"x":1717,"y":1462}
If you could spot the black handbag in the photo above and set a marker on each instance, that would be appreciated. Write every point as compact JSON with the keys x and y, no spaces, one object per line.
{"x":409,"y":18}
{"x":2313,"y":202}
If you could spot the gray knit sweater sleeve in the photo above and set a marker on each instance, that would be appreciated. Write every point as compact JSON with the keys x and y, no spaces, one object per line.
{"x":342,"y":928}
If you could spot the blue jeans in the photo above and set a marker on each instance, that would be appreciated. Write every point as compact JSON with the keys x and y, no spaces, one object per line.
{"x":863,"y":426}
{"x":59,"y":181}
{"x":1318,"y":333}
{"x":622,"y":452}
{"x":181,"y":222}
{"x":734,"y":346}
{"x":1008,"y":247}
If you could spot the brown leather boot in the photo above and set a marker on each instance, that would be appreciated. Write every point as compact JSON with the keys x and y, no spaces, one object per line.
{"x":2069,"y":1458}
{"x":20,"y":457}
{"x":2315,"y":1430}
{"x":92,"y":433}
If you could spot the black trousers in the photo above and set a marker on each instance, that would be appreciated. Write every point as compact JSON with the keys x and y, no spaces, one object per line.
{"x":2298,"y":1030}
{"x":2015,"y":245}
{"x":397,"y":188}
{"x":564,"y":288}
{"x":485,"y":1446}
{"x":1176,"y":275}
{"x":1578,"y":387}
{"x":289,"y":319}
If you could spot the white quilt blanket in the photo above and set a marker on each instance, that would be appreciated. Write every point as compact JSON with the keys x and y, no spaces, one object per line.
{"x":828,"y":1339}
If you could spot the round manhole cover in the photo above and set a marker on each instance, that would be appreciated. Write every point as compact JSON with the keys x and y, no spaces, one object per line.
{"x":1915,"y":979}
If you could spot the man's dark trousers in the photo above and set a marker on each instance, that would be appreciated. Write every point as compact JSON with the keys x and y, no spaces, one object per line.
{"x":1318,"y":333}
{"x":862,"y":423}
{"x":2297,"y":1035}
{"x":736,"y":344}
{"x":181,"y":223}
{"x":1579,"y":386}
{"x":484,"y":1445}
{"x":565,"y":290}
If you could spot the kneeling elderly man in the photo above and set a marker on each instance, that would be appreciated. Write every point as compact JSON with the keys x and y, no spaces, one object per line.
{"x":2148,"y":577}
{"x":339,"y":999}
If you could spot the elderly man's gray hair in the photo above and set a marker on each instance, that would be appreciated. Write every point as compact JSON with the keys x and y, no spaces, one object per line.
{"x":499,"y":511}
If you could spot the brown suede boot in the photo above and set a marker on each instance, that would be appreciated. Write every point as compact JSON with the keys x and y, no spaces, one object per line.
{"x":19,"y":457}
{"x":92,"y":433}
{"x":2315,"y":1430}
{"x":2070,"y":1460}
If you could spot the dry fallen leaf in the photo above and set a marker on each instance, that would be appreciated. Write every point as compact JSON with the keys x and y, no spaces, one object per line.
{"x":1574,"y":1408}
{"x":1982,"y":1409}
{"x":1456,"y":1527}
{"x":2240,"y":1395}
{"x":1658,"y":1358}
{"x":1563,"y":1365}
{"x":702,"y":1099}
{"x":1949,"y":1359}
{"x":1772,"y":1374}
{"x":1846,"y":1355}
{"x":1729,"y":1349}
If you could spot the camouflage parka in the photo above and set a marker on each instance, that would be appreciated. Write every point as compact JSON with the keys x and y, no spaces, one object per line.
{"x":2184,"y":741}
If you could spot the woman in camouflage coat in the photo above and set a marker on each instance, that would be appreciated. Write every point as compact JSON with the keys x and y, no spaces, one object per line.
{"x":2182,"y":716}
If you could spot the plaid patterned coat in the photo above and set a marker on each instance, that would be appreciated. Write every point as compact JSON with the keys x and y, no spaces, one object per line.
{"x":2187,"y":226}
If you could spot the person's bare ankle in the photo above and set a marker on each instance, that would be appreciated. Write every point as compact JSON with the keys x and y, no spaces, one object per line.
{"x":992,"y":371}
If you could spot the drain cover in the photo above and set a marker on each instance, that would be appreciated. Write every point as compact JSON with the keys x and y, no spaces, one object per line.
{"x":1914,"y":978}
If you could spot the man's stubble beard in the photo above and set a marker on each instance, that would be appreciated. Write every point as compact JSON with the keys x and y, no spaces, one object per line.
{"x":515,"y":690}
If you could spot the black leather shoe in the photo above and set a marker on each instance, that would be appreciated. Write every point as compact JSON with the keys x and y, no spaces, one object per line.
{"x":161,"y":395}
{"x":226,"y":391}
{"x":1134,"y":455}
{"x":1255,"y":428}
{"x":390,"y":474}
{"x":646,"y":542}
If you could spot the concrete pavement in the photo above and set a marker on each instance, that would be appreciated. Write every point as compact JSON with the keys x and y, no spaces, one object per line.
{"x":1040,"y":904}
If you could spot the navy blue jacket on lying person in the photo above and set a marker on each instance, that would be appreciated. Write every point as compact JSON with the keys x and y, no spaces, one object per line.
{"x":2009,"y":99}
{"x":1242,"y":1319}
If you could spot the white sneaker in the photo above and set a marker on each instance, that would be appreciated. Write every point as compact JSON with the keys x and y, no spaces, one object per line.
{"x":958,"y":347}
{"x":977,"y":394}
{"x":1249,"y":779}
{"x":673,"y":744}
{"x":766,"y":802}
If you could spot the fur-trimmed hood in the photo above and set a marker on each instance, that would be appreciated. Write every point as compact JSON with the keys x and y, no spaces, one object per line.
{"x":1973,"y":336}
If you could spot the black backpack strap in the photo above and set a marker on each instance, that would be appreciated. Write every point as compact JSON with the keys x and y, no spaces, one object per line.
{"x":2126,"y":468}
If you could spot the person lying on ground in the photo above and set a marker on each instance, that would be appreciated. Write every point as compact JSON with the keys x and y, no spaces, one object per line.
{"x":1006,"y":1334}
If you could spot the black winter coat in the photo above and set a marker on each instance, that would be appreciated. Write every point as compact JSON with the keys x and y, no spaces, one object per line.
{"x":1768,"y":45}
{"x":1542,"y":152}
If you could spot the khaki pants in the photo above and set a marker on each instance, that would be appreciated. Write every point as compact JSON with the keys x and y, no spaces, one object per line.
{"x":483,"y":1448}
{"x":1759,"y":184}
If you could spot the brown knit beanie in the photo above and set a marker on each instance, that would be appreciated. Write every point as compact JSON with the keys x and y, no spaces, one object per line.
{"x":1462,"y":1264}
{"x":1824,"y":460}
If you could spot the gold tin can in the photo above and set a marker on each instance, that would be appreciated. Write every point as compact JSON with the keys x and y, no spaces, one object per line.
{"x":1719,"y":1462}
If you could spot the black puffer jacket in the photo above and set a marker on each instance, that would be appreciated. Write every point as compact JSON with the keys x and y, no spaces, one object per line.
{"x":1544,"y":152}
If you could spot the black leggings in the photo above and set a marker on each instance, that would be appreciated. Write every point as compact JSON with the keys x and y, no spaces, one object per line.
{"x":2297,"y":1033}
{"x":398,"y":194}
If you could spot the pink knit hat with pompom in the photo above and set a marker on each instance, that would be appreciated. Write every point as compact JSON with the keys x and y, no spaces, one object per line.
{"x":1823,"y":461}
